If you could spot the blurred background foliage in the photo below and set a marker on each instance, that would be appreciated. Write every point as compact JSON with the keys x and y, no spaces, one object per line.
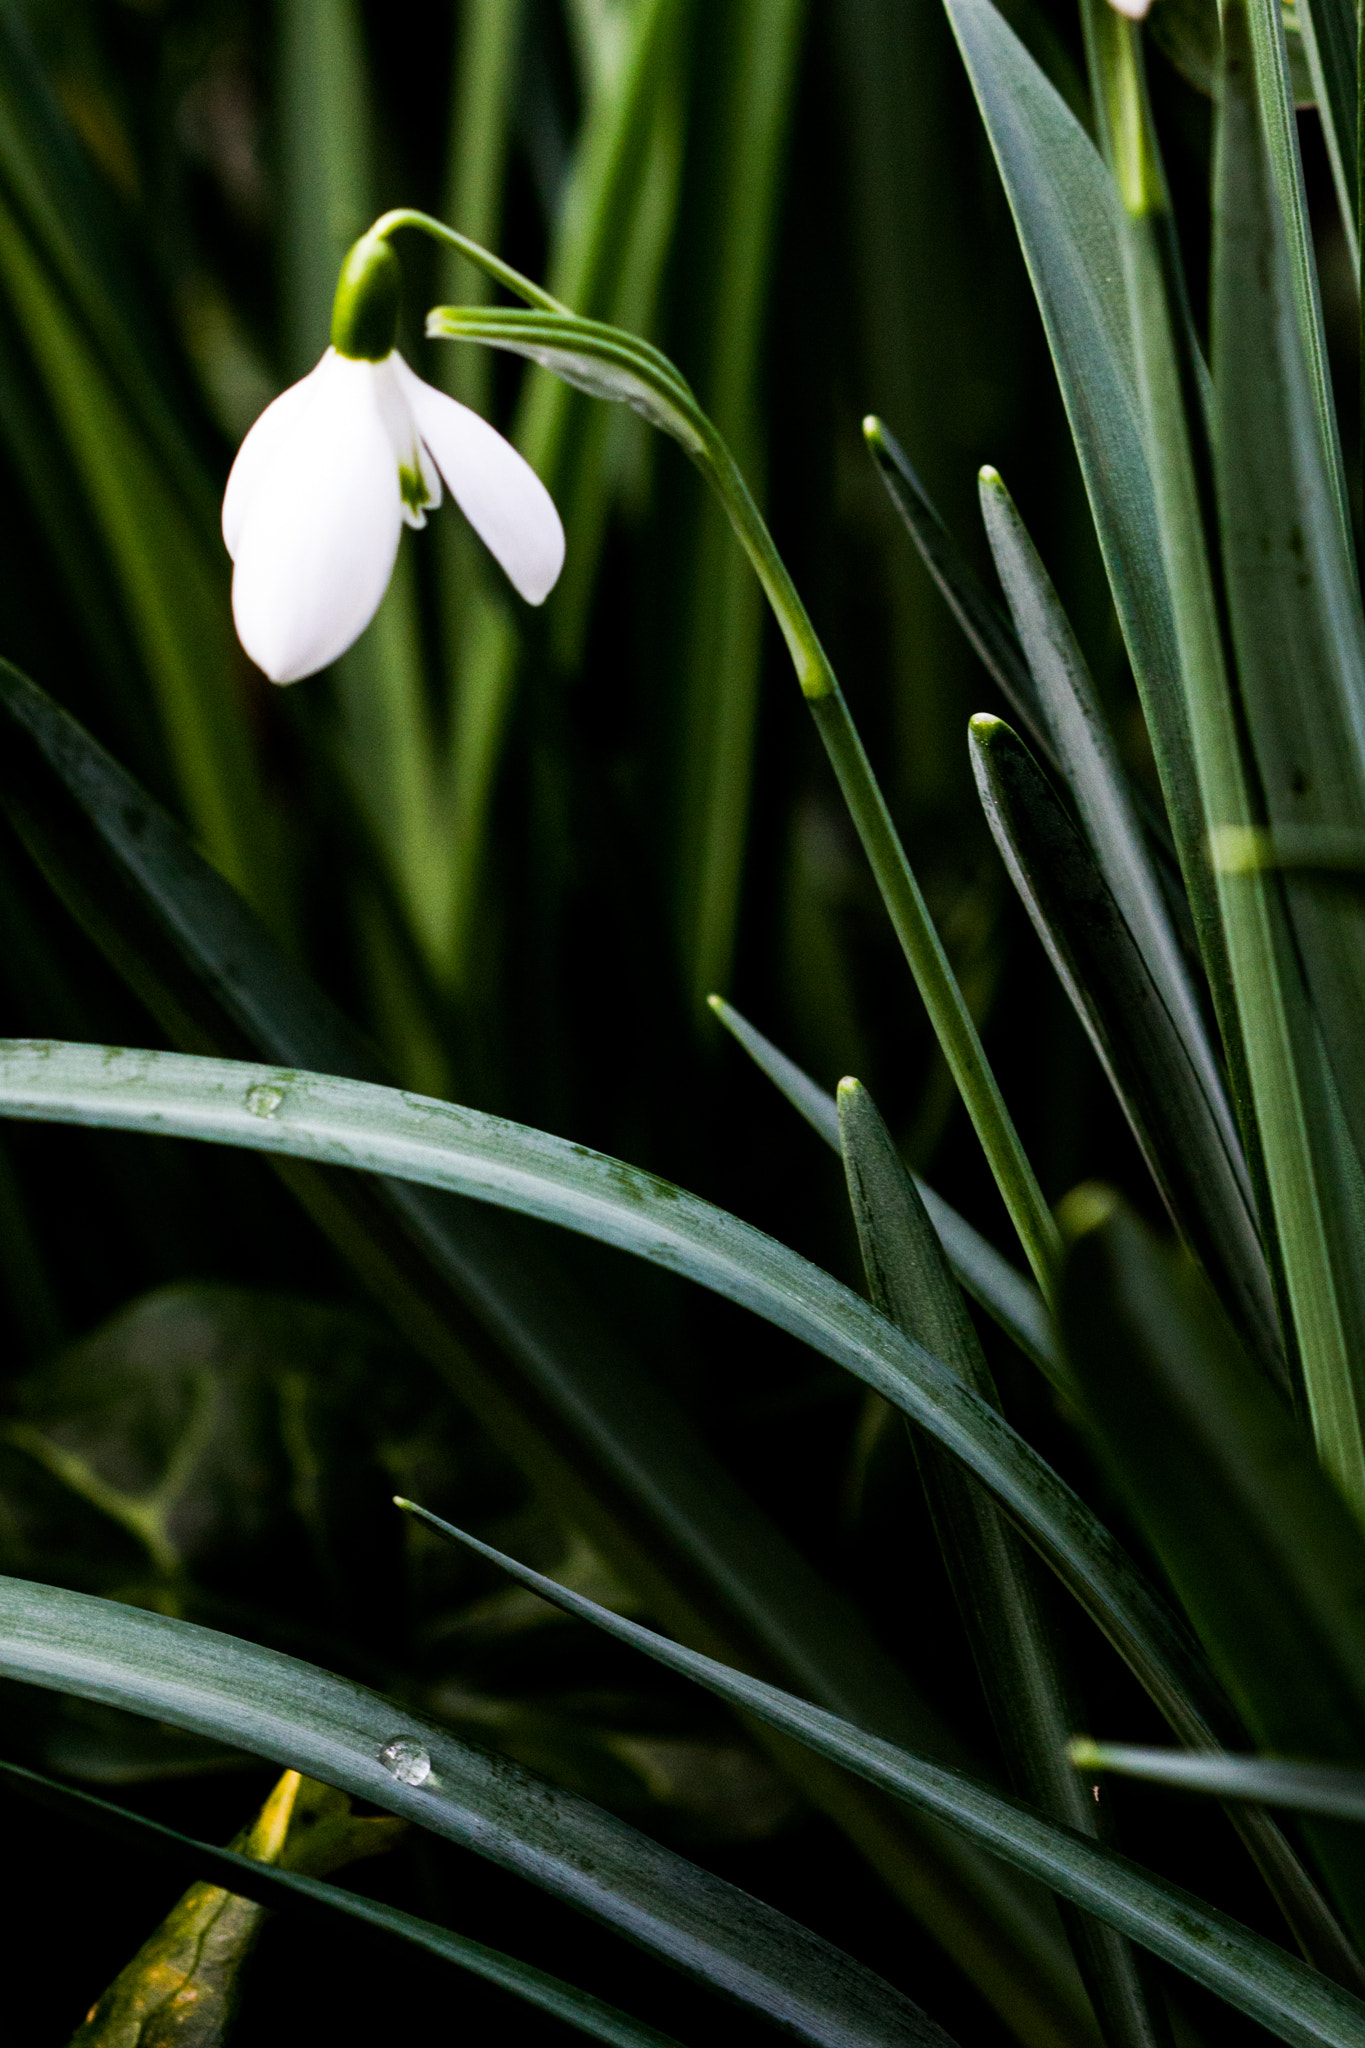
{"x":519,"y":849}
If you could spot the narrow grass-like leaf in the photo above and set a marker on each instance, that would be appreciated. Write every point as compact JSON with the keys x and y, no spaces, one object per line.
{"x":378,"y":1130}
{"x":1078,"y":739}
{"x":1268,"y":1034}
{"x":989,"y":631}
{"x":287,"y":1891}
{"x":308,"y":1720}
{"x":993,"y":1283}
{"x":1296,"y":2003}
{"x":1330,"y":34}
{"x":1270,"y":1780}
{"x":1268,"y":77}
{"x":1300,"y":646}
{"x":167,"y":573}
{"x":992,"y":1570}
{"x":1071,"y":230}
{"x":437,"y":1144}
{"x":1292,"y":590}
{"x":1266,"y":1557}
{"x":1193,"y":1158}
{"x":540,"y":1358}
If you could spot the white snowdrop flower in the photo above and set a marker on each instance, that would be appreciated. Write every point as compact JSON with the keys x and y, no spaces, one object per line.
{"x":332,"y":471}
{"x":1136,"y":10}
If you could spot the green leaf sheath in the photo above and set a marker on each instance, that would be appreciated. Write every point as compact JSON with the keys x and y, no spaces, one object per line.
{"x":288,"y":1891}
{"x":1294,"y":2002}
{"x":994,"y":1573}
{"x":993,"y":1283}
{"x":1306,"y":1788}
{"x":308,"y":1720}
{"x":1266,"y":1557}
{"x":1193,"y":1157}
{"x":505,"y":1319}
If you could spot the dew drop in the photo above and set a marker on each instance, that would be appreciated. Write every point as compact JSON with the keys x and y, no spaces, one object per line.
{"x":263,"y":1100}
{"x":407,"y":1760}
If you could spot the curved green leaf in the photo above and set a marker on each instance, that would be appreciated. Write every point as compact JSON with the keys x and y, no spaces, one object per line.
{"x":379,"y":1130}
{"x":287,"y":1891}
{"x":308,"y":1720}
{"x":505,"y":1320}
{"x":1294,"y":2002}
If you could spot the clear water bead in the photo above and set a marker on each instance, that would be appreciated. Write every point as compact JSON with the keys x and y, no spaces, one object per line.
{"x":263,"y":1100}
{"x":407,"y":1760}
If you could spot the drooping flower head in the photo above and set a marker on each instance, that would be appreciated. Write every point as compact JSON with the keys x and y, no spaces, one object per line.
{"x":332,"y":471}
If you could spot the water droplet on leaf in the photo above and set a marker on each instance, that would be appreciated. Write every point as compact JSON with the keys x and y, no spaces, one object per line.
{"x":407,"y":1760}
{"x":263,"y":1100}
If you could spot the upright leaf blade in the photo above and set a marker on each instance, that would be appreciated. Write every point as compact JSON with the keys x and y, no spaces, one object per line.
{"x":1194,"y":1159}
{"x":1070,"y":229}
{"x":1265,"y":1555}
{"x":992,"y":1571}
{"x":1300,"y":646}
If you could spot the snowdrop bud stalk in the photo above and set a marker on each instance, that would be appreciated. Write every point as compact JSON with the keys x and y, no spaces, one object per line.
{"x":330,"y":474}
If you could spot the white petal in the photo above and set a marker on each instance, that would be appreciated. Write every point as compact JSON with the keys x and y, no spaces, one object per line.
{"x":497,"y":490}
{"x":320,"y":530}
{"x":419,"y":480}
{"x":258,"y":450}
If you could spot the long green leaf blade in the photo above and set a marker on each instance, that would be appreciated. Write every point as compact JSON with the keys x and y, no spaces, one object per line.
{"x":1271,"y":1781}
{"x":542,"y":1361}
{"x":377,"y":1130}
{"x":990,"y":1279}
{"x":1194,"y":1159}
{"x":1078,"y":738}
{"x":993,"y":1573}
{"x":1071,"y":230}
{"x":305,"y":1719}
{"x":287,"y":1890}
{"x":979,"y":616}
{"x":1295,"y":2003}
{"x":1264,"y":1553}
{"x":1300,"y":645}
